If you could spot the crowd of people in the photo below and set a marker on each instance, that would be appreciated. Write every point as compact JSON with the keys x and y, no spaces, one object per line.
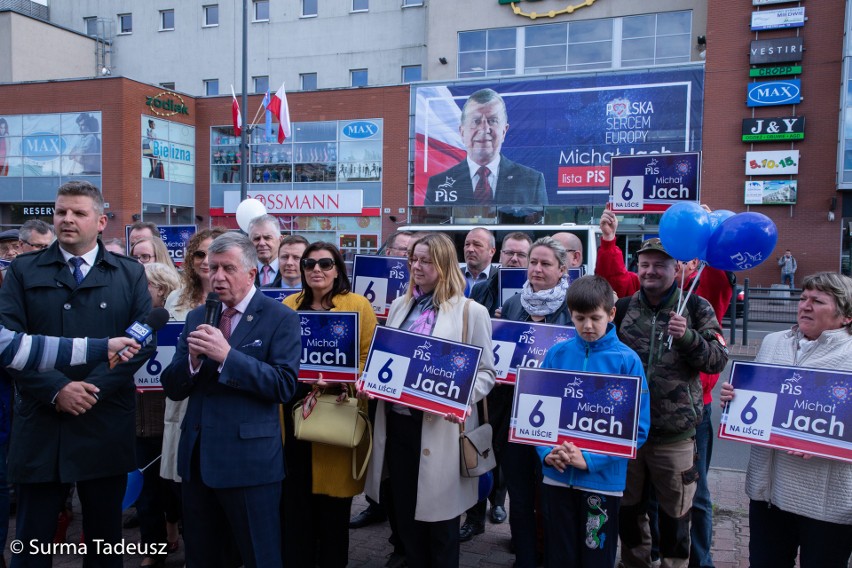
{"x":224,"y":468}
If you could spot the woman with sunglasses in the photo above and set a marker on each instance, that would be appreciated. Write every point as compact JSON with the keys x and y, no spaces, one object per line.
{"x":319,"y":486}
{"x":419,"y":451}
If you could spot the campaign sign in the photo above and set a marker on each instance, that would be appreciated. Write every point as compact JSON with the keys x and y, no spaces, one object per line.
{"x":380,"y":279}
{"x":575,"y":273}
{"x":279,"y":294}
{"x":653,"y":183}
{"x":599,"y":413}
{"x":147,"y":378}
{"x":175,"y":237}
{"x":428,"y":373}
{"x":330,"y":345}
{"x":791,"y":408}
{"x":523,"y":344}
{"x":510,"y":282}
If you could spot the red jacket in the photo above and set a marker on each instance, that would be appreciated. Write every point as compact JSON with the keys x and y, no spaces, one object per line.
{"x":610,"y":265}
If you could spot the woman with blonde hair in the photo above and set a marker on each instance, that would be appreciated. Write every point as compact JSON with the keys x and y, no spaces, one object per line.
{"x":419,"y":451}
{"x":151,"y":249}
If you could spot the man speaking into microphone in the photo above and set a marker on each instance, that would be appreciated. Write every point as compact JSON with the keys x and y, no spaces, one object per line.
{"x":62,"y":433}
{"x":230,"y":456}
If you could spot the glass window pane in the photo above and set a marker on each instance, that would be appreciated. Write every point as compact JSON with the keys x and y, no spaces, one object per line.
{"x":125,"y":22}
{"x":261,"y":84}
{"x":167,"y":20}
{"x":411,"y":73}
{"x":590,"y":53}
{"x":545,"y":56}
{"x":637,"y":62}
{"x":211,"y":15}
{"x":503,"y":59}
{"x":472,"y":62}
{"x":471,"y":41}
{"x":673,"y":46}
{"x":314,"y":131}
{"x":546,"y":35}
{"x":261,"y":10}
{"x":593,"y":30}
{"x":309,"y":7}
{"x":211,"y":87}
{"x":309,"y":81}
{"x":638,"y":26}
{"x":358,"y":5}
{"x":674,"y":23}
{"x":632,"y":49}
{"x":91,"y":26}
{"x":359,"y":77}
{"x":501,"y":39}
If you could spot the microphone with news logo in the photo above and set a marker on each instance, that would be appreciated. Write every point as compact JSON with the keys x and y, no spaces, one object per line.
{"x":212,"y":314}
{"x":144,"y":331}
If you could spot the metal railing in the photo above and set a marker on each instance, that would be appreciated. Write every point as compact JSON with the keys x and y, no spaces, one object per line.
{"x":776,"y":304}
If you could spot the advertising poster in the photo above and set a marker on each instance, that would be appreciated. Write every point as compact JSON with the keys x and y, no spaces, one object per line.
{"x":782,"y":162}
{"x":778,"y":19}
{"x":49,"y":145}
{"x":558,"y":137}
{"x":790,"y":408}
{"x":423,"y":372}
{"x":523,"y":344}
{"x":654,"y":183}
{"x":380,"y":279}
{"x":147,"y":378}
{"x":599,"y":413}
{"x":771,"y":192}
{"x":330,"y":345}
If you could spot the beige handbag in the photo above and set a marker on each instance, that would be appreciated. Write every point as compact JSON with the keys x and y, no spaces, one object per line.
{"x":320,"y":419}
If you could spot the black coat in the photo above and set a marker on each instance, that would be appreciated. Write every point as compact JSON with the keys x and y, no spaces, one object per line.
{"x":39,"y":295}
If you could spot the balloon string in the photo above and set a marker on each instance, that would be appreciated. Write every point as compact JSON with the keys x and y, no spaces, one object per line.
{"x":152,"y":463}
{"x":681,"y":304}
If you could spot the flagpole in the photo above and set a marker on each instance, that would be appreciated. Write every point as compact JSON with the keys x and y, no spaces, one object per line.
{"x":244,"y":137}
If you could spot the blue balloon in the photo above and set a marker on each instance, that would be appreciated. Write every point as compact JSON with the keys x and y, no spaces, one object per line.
{"x":718,"y":216}
{"x":134,"y":488}
{"x":685,"y":230}
{"x":742,"y":242}
{"x":486,"y":482}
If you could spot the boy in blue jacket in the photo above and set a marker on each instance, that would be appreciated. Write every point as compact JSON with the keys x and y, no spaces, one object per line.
{"x":581,"y":491}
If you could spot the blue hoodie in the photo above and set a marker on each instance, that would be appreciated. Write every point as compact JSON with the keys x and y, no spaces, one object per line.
{"x":610,"y":356}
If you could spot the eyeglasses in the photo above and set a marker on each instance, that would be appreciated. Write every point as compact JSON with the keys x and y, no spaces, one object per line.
{"x":399,"y":249}
{"x":144,"y":258}
{"x":325,"y":264}
{"x":511,"y":253}
{"x":200,"y":254}
{"x":424,"y":261}
{"x":35,"y":246}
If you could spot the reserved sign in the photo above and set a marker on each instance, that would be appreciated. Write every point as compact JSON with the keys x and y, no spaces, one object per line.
{"x":598,"y":413}
{"x":330,"y":345}
{"x":420,"y":371}
{"x":790,"y":408}
{"x":523,"y":344}
{"x":380,"y":279}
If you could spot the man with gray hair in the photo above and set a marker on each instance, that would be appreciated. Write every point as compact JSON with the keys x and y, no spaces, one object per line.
{"x":35,"y":234}
{"x":234,"y":376}
{"x":265,"y":234}
{"x":486,"y":177}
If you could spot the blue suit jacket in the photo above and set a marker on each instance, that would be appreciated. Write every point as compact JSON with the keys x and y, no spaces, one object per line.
{"x":516,"y":185}
{"x":233,"y":415}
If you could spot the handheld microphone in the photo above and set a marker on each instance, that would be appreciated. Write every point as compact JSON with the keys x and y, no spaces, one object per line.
{"x":212,"y":314}
{"x":144,"y":331}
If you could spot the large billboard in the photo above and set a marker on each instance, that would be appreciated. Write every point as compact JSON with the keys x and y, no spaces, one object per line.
{"x":39,"y":145}
{"x":555,"y":141}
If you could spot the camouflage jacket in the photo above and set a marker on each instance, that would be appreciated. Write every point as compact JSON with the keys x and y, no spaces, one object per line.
{"x":672,"y":373}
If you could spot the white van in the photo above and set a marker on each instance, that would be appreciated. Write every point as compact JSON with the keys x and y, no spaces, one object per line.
{"x":586,"y":233}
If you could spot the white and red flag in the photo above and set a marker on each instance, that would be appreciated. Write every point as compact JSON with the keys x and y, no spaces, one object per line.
{"x":235,"y":114}
{"x":278,"y":107}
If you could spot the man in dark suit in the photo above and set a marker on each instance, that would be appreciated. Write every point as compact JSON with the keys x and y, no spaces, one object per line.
{"x":230,"y":455}
{"x":266,"y":237}
{"x":486,"y":177}
{"x":76,"y":425}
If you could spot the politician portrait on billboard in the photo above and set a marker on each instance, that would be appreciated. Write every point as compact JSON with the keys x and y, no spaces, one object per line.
{"x":532,"y":143}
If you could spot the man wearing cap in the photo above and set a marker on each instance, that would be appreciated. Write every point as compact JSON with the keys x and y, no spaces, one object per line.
{"x":674,"y":349}
{"x":9,"y":245}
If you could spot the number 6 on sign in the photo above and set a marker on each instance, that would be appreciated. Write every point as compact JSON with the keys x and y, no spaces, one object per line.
{"x":375,"y":290}
{"x":538,"y":417}
{"x":750,"y":414}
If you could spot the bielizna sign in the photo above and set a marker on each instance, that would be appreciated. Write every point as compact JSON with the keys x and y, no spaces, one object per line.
{"x":380,"y":279}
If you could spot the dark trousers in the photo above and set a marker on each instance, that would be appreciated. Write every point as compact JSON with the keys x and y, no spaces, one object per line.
{"x":777,"y":536}
{"x":701,"y":529}
{"x":212,"y":516}
{"x":522,"y":468}
{"x":427,"y":545}
{"x":580,"y":528}
{"x":38,"y":509}
{"x":158,"y":502}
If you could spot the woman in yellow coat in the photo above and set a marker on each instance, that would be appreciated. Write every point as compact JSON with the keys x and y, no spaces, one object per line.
{"x":319,"y":486}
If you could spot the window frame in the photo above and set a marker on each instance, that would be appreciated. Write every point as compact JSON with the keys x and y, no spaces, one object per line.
{"x":168,"y":85}
{"x":355,"y":10}
{"x":303,"y":76}
{"x":255,"y":4}
{"x":315,"y":13}
{"x":205,"y":10}
{"x":411,"y":3}
{"x":254,"y":84}
{"x":207,"y":83}
{"x":352,"y":73}
{"x":163,"y":13}
{"x":406,"y":67}
{"x":120,"y":18}
{"x":91,"y":20}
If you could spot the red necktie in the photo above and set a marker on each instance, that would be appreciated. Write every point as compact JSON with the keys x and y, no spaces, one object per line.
{"x":482,"y":192}
{"x":225,"y":322}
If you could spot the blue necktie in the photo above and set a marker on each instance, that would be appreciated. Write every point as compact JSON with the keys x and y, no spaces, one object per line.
{"x":77,"y":262}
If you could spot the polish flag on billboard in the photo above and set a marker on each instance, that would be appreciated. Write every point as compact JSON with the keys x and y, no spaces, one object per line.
{"x":235,"y":114}
{"x":278,"y":107}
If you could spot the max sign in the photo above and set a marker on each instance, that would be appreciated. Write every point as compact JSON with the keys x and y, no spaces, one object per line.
{"x":771,"y":93}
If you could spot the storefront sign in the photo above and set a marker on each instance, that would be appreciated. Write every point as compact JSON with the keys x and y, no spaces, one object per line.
{"x":791,"y":408}
{"x":769,"y":129}
{"x":599,"y":413}
{"x":164,"y":104}
{"x":329,"y":202}
{"x":421,"y":371}
{"x":778,"y":19}
{"x":771,"y":192}
{"x":330,"y":346}
{"x":776,"y":71}
{"x":772,"y":93}
{"x":360,"y":129}
{"x":37,"y":210}
{"x":776,"y":50}
{"x":767,"y":2}
{"x":782,"y":162}
{"x":653,"y":183}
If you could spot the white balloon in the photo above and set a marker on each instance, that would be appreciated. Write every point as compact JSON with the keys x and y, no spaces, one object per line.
{"x":248,"y":210}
